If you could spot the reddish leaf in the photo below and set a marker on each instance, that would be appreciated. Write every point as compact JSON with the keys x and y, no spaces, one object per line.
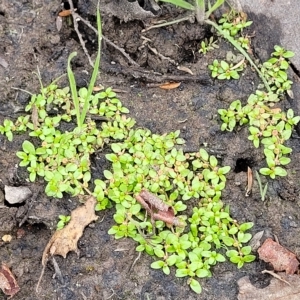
{"x":280,"y":258}
{"x":157,"y":209}
{"x":8,"y":283}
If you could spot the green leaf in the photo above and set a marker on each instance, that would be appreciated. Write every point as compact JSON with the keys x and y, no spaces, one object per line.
{"x":116,"y":147}
{"x":249,"y":258}
{"x":202,"y":273}
{"x":182,"y":272}
{"x":28,"y":147}
{"x":157,"y":264}
{"x":204,"y":155}
{"x":224,"y":65}
{"x":246,"y":226}
{"x":265,"y":171}
{"x":246,"y":250}
{"x":180,"y":3}
{"x":107,"y":174}
{"x":213,"y":161}
{"x":195,"y":286}
{"x":280,"y":171}
{"x":158,"y":252}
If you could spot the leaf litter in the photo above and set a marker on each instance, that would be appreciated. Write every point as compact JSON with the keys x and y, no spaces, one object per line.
{"x":65,"y":240}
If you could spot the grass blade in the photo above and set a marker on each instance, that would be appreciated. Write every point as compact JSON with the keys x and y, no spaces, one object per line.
{"x":95,"y":71}
{"x":73,"y":87}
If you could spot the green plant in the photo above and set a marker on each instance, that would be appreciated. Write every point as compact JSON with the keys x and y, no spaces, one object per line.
{"x":228,"y":30}
{"x":7,"y":128}
{"x":223,"y":70}
{"x":232,"y":23}
{"x":262,"y":190}
{"x":63,"y":221}
{"x":268,"y":126}
{"x":85,"y":94}
{"x":208,"y":45}
{"x":139,"y":160}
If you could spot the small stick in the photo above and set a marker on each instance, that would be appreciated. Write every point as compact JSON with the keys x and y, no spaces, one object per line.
{"x":135,"y":261}
{"x":87,"y":23}
{"x":275,"y":275}
{"x":79,"y":34}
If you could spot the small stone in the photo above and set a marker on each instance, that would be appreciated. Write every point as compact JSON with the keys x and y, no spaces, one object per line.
{"x":7,"y":238}
{"x":14,"y":195}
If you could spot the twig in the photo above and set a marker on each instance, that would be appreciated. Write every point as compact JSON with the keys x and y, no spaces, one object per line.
{"x":87,"y":23}
{"x":32,"y":201}
{"x":148,"y":76}
{"x":135,"y":261}
{"x":162,"y":56}
{"x":74,"y":15}
{"x":58,"y":273}
{"x":275,"y":275}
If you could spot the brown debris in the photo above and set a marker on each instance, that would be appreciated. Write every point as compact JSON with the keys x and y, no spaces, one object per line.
{"x":65,"y":240}
{"x":8,"y":283}
{"x":170,"y":86}
{"x":280,"y":258}
{"x":287,"y":288}
{"x":157,"y":209}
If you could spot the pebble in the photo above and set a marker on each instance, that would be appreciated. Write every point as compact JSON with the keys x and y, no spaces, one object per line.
{"x":14,"y":195}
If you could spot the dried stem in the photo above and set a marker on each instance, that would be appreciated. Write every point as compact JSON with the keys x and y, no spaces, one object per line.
{"x":74,"y":15}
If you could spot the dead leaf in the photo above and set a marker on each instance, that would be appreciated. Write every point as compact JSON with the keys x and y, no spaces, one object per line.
{"x":274,"y":291}
{"x":255,"y":241}
{"x":280,"y":258}
{"x":170,"y":86}
{"x":58,"y":23}
{"x":157,"y":209}
{"x":65,"y":240}
{"x":185,"y":69}
{"x":65,"y":13}
{"x":250,"y":182}
{"x":8,"y":283}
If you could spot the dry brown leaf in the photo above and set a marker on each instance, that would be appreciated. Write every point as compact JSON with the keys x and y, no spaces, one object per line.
{"x":157,"y":209}
{"x":185,"y":69}
{"x":65,"y":13}
{"x":280,"y":258}
{"x":170,"y":86}
{"x":276,"y":290}
{"x":8,"y":283}
{"x":65,"y":240}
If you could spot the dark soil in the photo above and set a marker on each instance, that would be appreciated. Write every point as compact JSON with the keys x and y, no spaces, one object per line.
{"x":29,"y":39}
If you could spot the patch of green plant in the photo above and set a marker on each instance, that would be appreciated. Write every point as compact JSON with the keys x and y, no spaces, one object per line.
{"x":223,"y":70}
{"x":228,"y":28}
{"x":233,"y":22}
{"x":151,"y":161}
{"x":139,"y":160}
{"x":268,"y":125}
{"x":63,"y":221}
{"x":208,"y":45}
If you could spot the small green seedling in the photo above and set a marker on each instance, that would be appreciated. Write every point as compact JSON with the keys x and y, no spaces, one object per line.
{"x":262,"y":190}
{"x":208,"y":45}
{"x":63,"y":221}
{"x":224,"y":70}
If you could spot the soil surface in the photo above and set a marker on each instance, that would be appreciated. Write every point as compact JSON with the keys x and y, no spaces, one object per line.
{"x":29,"y":39}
